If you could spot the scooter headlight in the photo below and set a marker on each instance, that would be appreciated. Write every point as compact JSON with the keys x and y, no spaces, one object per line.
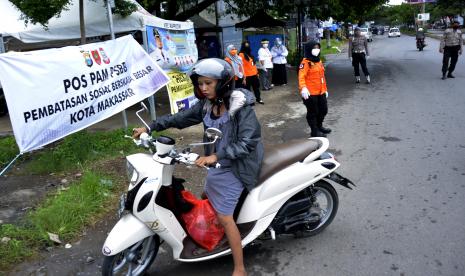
{"x":133,"y":175}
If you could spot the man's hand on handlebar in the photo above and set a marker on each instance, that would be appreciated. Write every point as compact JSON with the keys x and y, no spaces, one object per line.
{"x":136,"y":132}
{"x":204,"y":161}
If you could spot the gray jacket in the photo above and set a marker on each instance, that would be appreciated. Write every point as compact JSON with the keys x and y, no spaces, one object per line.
{"x":358,"y":44}
{"x":246,"y":148}
{"x":451,"y":38}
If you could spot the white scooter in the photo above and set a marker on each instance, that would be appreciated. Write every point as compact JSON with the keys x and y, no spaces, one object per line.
{"x":292,"y":197}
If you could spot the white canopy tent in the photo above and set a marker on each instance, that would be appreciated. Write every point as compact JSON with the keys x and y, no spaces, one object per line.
{"x":66,"y":26}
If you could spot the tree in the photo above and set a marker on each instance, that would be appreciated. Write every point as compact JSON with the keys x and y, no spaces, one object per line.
{"x":452,"y":7}
{"x":339,"y":9}
{"x":41,"y":11}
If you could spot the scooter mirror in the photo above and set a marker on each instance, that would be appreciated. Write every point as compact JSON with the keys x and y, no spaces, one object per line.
{"x":213,"y":133}
{"x":144,"y":106}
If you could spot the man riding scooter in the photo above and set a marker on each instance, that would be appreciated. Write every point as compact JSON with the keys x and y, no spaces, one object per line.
{"x":420,"y":36}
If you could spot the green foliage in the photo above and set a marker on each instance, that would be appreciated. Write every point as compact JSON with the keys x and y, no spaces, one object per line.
{"x":451,"y":7}
{"x":8,"y":150}
{"x":396,"y":15}
{"x":64,"y":213}
{"x":344,"y":10}
{"x":124,"y":8}
{"x":41,"y":11}
{"x":77,"y":150}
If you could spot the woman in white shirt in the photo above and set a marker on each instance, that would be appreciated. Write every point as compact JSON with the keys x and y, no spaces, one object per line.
{"x":265,"y":65}
{"x":279,"y":53}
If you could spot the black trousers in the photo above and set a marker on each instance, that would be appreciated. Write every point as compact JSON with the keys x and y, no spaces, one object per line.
{"x":279,"y":76}
{"x":238,"y":83}
{"x":254,"y":83}
{"x":317,"y":108}
{"x":450,"y":53}
{"x":359,"y":58}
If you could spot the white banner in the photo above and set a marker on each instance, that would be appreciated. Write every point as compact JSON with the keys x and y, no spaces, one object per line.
{"x":53,"y":93}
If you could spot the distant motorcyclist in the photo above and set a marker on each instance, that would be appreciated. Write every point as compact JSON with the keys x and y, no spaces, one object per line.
{"x":420,"y":38}
{"x":420,"y":34}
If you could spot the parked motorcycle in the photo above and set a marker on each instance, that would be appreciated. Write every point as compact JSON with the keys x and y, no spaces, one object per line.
{"x":294,"y":196}
{"x":420,"y":44}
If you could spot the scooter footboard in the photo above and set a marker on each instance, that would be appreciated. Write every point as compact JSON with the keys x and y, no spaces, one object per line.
{"x":127,"y":231}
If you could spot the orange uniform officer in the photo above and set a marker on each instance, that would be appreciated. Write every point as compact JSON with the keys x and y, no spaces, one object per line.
{"x":313,"y":90}
{"x":250,"y":71}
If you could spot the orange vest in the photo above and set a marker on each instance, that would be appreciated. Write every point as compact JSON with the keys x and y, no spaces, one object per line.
{"x":312,"y":76}
{"x":249,"y":66}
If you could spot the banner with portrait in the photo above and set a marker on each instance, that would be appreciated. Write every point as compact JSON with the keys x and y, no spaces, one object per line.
{"x":174,"y":49}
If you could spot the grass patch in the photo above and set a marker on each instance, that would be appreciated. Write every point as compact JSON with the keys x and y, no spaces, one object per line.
{"x":77,"y":150}
{"x":65,"y":213}
{"x":8,"y":150}
{"x":333,"y":49}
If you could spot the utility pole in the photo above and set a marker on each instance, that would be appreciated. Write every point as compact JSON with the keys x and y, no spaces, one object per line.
{"x":299,"y":32}
{"x":111,"y":4}
{"x":423,"y":11}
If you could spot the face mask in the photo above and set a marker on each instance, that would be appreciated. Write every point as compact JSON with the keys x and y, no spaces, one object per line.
{"x":279,"y":42}
{"x":233,"y":52}
{"x":265,"y":45}
{"x":315,"y":52}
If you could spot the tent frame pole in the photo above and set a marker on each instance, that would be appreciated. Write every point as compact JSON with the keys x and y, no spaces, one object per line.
{"x":112,"y":33}
{"x":153,"y":114}
{"x":2,"y":45}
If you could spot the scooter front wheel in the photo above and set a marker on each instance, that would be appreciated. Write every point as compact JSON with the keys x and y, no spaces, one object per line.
{"x":135,"y":260}
{"x":326,"y":203}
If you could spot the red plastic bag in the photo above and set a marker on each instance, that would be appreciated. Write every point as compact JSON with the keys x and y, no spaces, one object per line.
{"x":201,"y":222}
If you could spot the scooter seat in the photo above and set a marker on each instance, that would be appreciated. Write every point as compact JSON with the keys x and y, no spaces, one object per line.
{"x":278,"y":157}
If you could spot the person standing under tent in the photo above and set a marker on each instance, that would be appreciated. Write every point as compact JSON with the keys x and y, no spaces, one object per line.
{"x":279,"y":54}
{"x":265,"y":65}
{"x":235,"y":60}
{"x":250,"y":71}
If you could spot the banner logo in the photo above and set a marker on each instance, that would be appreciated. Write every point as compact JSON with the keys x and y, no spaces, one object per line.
{"x":96,"y":57}
{"x":87,"y":58}
{"x":105,"y":58}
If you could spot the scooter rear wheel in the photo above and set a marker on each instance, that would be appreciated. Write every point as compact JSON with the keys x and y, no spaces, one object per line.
{"x":135,"y":260}
{"x":328,"y":201}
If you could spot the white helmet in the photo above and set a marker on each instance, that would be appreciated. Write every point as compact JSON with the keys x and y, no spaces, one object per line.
{"x":214,"y":68}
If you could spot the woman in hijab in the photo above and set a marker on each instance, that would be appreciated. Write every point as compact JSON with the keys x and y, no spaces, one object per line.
{"x":236,"y":62}
{"x":250,"y":71}
{"x":279,"y":53}
{"x":313,"y":90}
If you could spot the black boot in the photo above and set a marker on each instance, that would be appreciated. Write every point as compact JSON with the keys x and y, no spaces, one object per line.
{"x":450,"y":76}
{"x":325,"y":130}
{"x":444,"y":76}
{"x":318,"y":134}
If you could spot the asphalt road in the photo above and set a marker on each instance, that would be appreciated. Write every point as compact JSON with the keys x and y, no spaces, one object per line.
{"x":402,"y":141}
